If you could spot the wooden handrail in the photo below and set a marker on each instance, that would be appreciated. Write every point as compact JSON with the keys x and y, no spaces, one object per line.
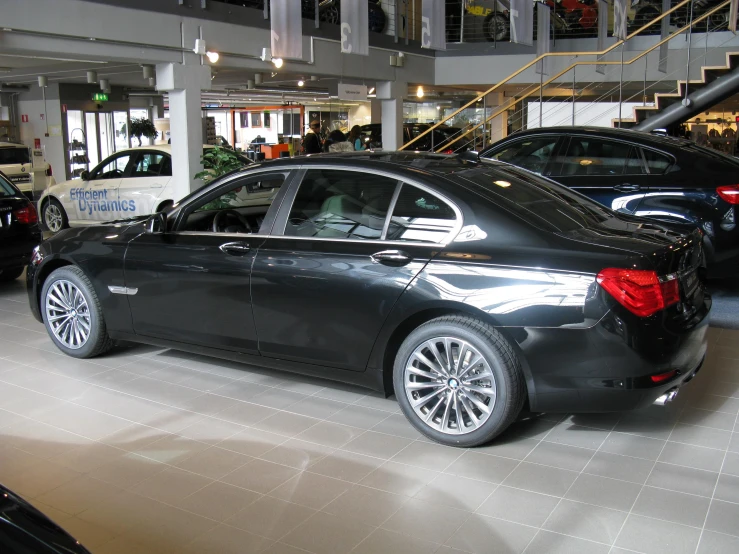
{"x":559,"y":54}
{"x":593,"y":62}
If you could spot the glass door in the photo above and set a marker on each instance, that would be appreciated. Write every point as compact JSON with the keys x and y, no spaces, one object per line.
{"x":91,"y":122}
{"x":107,"y":142}
{"x":120,"y":127}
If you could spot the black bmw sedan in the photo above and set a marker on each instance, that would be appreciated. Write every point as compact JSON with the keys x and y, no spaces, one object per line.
{"x":468,"y":288}
{"x":19,"y":230}
{"x":664,"y":178}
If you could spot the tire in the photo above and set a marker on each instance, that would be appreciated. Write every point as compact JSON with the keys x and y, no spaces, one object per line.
{"x":58,"y":299}
{"x":10,"y":274}
{"x":496,"y":27}
{"x":53,"y":216}
{"x":499,"y":370}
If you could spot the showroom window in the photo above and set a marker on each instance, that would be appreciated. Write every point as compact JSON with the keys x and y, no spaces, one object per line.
{"x":341,"y":204}
{"x":656,"y":162}
{"x":113,"y":168}
{"x":532,"y":153}
{"x":152,"y":164}
{"x":420,"y":216}
{"x":594,"y":156}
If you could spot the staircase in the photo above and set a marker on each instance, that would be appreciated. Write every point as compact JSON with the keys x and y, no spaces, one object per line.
{"x":716,"y":77}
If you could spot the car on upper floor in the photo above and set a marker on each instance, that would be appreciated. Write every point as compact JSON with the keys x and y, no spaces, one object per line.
{"x":134,"y":181}
{"x":664,"y":178}
{"x":467,"y":287}
{"x":16,"y":162}
{"x":19,"y":230}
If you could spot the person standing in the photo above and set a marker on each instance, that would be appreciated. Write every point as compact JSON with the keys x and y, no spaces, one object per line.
{"x":355,"y":138}
{"x":337,"y":142}
{"x":311,"y":141}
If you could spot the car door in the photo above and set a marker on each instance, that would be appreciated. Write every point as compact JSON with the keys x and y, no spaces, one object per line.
{"x":141,"y":189}
{"x":96,"y":199}
{"x":533,"y":152}
{"x":611,"y":172}
{"x":191,"y":283}
{"x":324,"y":282}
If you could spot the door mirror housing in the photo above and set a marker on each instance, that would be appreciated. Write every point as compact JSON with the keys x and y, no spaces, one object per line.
{"x":157,"y":224}
{"x":85,"y":175}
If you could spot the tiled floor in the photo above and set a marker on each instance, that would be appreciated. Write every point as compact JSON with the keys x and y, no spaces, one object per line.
{"x":148,"y":450}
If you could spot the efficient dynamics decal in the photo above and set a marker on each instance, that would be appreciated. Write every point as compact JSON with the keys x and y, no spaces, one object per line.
{"x":97,"y":201}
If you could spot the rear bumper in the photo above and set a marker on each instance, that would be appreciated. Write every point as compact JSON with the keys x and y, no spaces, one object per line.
{"x":609,"y":367}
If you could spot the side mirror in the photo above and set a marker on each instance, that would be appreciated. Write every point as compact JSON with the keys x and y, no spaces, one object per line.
{"x":157,"y":224}
{"x":85,"y":175}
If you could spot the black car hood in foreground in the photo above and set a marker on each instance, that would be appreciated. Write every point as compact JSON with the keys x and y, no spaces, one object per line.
{"x":25,"y":530}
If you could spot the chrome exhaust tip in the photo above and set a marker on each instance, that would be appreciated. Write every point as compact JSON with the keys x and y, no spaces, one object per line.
{"x":666,"y":398}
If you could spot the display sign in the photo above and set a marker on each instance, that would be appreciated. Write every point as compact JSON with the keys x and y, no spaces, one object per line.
{"x":352,"y":92}
{"x":354,"y":27}
{"x":100,"y":97}
{"x":287,"y":29}
{"x":433,"y":24}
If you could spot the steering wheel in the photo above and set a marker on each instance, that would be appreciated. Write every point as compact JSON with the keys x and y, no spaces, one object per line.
{"x":223,"y":214}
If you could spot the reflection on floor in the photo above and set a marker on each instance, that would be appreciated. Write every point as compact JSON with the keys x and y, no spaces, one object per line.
{"x":149,"y":450}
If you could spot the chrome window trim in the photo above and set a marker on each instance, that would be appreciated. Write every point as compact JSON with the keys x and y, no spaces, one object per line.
{"x":453,"y":233}
{"x":247,"y":236}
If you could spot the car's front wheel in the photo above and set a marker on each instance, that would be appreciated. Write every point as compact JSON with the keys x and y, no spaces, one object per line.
{"x":54,"y":216}
{"x":72,"y":314}
{"x":458,"y":381}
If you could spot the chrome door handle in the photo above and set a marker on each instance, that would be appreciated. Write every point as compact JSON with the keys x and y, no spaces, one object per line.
{"x":391,"y":257}
{"x":234,"y":248}
{"x":627,"y":187}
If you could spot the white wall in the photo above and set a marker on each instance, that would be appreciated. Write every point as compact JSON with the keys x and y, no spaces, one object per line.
{"x":601,"y":114}
{"x":53,"y":145}
{"x":360,"y":115}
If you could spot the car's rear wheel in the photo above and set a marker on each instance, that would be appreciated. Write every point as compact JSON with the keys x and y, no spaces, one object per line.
{"x":54,"y":216}
{"x":72,"y":314}
{"x":10,"y":274}
{"x":458,"y":381}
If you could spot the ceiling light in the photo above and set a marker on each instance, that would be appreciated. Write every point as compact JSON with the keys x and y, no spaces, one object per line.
{"x":199,"y":47}
{"x":212,"y":56}
{"x":148,"y":71}
{"x":42,"y":81}
{"x":438,"y":107}
{"x":278,"y":62}
{"x":371,"y":90}
{"x":419,"y":92}
{"x":301,"y":83}
{"x":92,"y":77}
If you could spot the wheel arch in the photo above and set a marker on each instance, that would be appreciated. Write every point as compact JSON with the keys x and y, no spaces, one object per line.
{"x":404,"y":327}
{"x":43,"y":273}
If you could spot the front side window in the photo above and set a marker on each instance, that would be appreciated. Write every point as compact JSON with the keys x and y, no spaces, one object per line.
{"x":239,"y":207}
{"x":333,"y":203}
{"x":113,"y":168}
{"x":595,"y":156}
{"x":530,"y":153}
{"x":420,"y":216}
{"x":152,"y":164}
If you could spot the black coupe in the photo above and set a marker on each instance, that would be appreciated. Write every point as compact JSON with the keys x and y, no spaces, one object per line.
{"x":664,"y":178}
{"x":469,"y":288}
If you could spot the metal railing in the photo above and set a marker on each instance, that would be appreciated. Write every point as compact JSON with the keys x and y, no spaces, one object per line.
{"x":469,"y":134}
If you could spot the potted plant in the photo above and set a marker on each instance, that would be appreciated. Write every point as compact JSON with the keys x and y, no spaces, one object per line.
{"x":143,"y":127}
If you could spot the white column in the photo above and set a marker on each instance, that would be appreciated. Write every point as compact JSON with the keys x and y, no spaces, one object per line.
{"x":184,"y":84}
{"x":391,"y":95}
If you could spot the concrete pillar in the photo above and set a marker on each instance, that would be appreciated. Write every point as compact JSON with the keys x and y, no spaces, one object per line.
{"x":376,"y":110}
{"x":184,"y":84}
{"x":390,"y":93}
{"x":498,"y":126}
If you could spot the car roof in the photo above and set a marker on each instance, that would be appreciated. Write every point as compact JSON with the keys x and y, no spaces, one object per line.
{"x":12,"y":145}
{"x":161,"y":147}
{"x":611,"y":132}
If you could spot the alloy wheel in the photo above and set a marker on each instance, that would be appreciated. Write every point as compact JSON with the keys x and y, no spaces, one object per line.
{"x":53,"y":218}
{"x":68,"y":314}
{"x":450,"y":385}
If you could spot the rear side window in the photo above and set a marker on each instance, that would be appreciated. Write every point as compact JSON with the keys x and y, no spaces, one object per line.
{"x":594,"y":156}
{"x":421,"y":217}
{"x":12,"y":156}
{"x":6,"y":189}
{"x":152,"y":164}
{"x":656,"y":162}
{"x":531,"y":153}
{"x":341,"y":204}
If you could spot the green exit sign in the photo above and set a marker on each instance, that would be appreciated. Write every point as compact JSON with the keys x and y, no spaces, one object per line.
{"x":100,"y":97}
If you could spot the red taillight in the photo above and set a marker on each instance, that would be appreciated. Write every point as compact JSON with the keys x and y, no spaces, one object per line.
{"x":729,"y":193}
{"x":26,"y":215}
{"x":48,"y":171}
{"x":660,"y":377}
{"x":640,"y":291}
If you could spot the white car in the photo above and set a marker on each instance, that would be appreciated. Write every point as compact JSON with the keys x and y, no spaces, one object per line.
{"x":16,"y":163}
{"x":131,"y":182}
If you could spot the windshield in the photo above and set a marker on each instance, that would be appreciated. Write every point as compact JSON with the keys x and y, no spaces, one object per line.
{"x":14,"y":155}
{"x":543,"y":202}
{"x":6,"y":189}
